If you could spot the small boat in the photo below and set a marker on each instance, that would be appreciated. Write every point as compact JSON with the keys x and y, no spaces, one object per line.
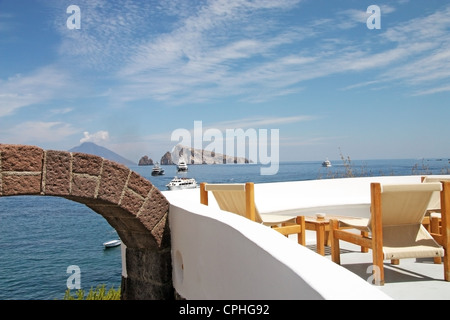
{"x":181,"y":183}
{"x":326,"y":163}
{"x":182,"y":165}
{"x":112,"y":243}
{"x":157,"y":170}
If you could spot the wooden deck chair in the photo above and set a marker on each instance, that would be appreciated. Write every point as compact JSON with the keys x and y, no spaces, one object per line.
{"x":395,"y":226}
{"x":240,"y":199}
{"x":432,"y":219}
{"x":434,"y":208}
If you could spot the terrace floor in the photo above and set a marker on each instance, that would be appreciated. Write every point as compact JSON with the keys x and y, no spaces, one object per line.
{"x":412,"y":279}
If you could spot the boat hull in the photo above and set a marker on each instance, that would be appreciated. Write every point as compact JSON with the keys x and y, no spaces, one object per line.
{"x":182,"y":166}
{"x":326,"y":163}
{"x":112,"y":244}
{"x":182,"y":187}
{"x":182,"y":183}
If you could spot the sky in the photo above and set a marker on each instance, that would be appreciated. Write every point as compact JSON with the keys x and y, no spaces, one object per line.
{"x":310,"y":79}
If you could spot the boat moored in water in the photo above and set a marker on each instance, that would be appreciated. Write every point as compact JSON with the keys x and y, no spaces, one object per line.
{"x":326,"y":163}
{"x":157,"y":170}
{"x":181,"y":183}
{"x":112,"y":243}
{"x":182,"y":165}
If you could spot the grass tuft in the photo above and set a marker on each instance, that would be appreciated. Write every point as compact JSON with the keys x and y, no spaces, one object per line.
{"x":99,"y":293}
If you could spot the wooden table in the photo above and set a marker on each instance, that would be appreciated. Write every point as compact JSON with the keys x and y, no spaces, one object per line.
{"x":322,"y":228}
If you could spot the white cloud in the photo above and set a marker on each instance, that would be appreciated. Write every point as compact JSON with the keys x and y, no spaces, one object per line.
{"x":205,"y":50}
{"x":24,"y":90}
{"x":351,"y":18}
{"x":39,"y":132}
{"x":386,"y":9}
{"x":110,"y":31}
{"x":415,"y":53}
{"x":61,"y":111}
{"x":260,"y":122}
{"x":306,"y":141}
{"x":440,"y":89}
{"x":194,"y":63}
{"x":97,"y":137}
{"x":215,"y":49}
{"x":5,"y":21}
{"x":223,"y":48}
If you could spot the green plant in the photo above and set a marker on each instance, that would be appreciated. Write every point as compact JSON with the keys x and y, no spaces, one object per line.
{"x":100,"y":293}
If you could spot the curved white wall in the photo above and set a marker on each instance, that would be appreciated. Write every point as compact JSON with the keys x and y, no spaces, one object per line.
{"x":219,"y":255}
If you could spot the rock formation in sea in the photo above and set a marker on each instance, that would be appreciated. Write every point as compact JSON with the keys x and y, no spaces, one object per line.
{"x":145,"y":161}
{"x":166,"y":159}
{"x":199,"y":156}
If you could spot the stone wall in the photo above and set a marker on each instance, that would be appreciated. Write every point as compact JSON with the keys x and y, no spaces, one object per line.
{"x":129,"y":202}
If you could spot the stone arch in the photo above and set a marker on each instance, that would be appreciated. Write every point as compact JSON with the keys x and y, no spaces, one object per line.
{"x":130,"y":203}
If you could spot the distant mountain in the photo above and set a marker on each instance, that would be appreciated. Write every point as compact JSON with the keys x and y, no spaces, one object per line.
{"x":92,"y":148}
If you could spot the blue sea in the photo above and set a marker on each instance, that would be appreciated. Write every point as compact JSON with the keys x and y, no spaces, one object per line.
{"x":40,"y":237}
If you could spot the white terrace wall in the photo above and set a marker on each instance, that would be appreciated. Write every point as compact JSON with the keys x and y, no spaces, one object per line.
{"x":218,"y":255}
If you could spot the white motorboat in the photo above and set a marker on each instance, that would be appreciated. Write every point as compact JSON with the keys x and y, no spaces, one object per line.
{"x":182,"y":165}
{"x":181,"y":183}
{"x":112,"y":243}
{"x":157,"y":170}
{"x":326,"y":163}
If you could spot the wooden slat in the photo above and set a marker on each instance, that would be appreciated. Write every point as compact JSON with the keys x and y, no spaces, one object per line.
{"x":287,"y":230}
{"x":250,"y":201}
{"x":426,"y":223}
{"x":203,"y":194}
{"x":225,"y":187}
{"x":301,"y":237}
{"x":353,"y":238}
{"x":335,"y":249}
{"x":377,"y":229}
{"x":438,"y":238}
